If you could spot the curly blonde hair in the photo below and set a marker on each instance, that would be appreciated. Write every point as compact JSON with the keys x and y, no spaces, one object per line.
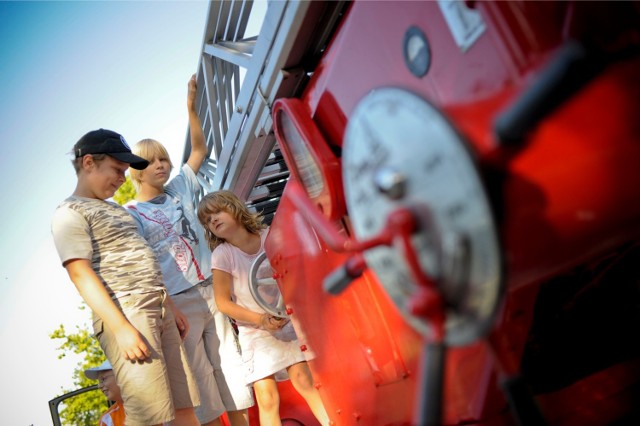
{"x":227,"y":201}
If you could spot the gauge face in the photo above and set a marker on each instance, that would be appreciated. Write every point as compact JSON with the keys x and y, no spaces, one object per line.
{"x":400,"y":151}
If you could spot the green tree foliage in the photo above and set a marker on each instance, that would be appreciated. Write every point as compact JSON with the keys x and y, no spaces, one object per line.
{"x":125,"y":193}
{"x":84,"y":409}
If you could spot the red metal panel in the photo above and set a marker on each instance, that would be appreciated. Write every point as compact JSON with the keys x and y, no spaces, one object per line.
{"x":564,"y":196}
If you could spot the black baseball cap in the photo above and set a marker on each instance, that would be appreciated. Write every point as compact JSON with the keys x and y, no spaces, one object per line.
{"x":103,"y":141}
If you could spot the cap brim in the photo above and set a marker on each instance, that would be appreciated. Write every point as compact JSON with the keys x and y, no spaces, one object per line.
{"x":92,"y":373}
{"x":134,"y":161}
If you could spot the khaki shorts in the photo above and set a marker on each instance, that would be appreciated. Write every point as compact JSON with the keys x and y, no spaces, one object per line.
{"x":154,"y":389}
{"x":214,"y":354}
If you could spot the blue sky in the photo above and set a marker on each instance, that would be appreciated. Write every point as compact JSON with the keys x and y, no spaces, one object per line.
{"x":67,"y":68}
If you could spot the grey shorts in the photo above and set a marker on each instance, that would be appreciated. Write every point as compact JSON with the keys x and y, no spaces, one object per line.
{"x":154,"y":389}
{"x":214,"y":354}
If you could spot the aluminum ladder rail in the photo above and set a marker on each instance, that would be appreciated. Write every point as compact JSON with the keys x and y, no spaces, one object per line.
{"x":236,"y":115}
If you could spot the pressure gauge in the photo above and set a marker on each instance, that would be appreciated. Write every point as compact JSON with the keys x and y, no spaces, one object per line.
{"x":401,"y":152}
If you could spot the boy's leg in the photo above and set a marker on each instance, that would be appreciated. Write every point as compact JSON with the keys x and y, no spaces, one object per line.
{"x":183,"y":386}
{"x":144,"y":386}
{"x":238,"y":418}
{"x":195,"y":308}
{"x":185,"y":417}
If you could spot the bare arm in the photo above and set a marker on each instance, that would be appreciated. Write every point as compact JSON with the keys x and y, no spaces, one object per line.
{"x":222,"y":293}
{"x":130,"y":341}
{"x":181,"y":320}
{"x":198,"y":144}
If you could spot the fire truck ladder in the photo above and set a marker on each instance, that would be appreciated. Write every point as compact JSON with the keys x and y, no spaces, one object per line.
{"x":240,"y":76}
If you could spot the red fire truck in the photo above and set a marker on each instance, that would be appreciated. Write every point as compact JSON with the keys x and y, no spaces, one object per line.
{"x":457,"y":239}
{"x":453,"y":189}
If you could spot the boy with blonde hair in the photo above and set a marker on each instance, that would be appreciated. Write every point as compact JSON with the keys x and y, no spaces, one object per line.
{"x":118,"y":276}
{"x":166,"y":215}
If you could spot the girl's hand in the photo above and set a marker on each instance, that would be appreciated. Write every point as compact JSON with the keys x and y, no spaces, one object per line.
{"x":272,"y":323}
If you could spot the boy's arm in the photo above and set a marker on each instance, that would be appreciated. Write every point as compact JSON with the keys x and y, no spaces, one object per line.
{"x":129,"y":339}
{"x":198,"y":144}
{"x":222,"y":293}
{"x":181,"y":319}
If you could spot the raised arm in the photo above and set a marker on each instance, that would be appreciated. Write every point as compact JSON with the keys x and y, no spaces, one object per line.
{"x":93,"y":292}
{"x":198,"y":145}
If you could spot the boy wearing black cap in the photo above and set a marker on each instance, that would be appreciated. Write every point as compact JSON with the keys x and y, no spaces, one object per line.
{"x":118,"y":276}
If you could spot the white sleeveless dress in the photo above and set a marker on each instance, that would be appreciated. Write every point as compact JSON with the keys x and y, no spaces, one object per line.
{"x":264,"y":353}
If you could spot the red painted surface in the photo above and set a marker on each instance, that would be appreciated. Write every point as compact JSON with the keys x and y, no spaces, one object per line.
{"x":566,"y":201}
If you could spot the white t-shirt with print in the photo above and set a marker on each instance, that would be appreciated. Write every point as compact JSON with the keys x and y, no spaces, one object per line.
{"x":170,"y":224}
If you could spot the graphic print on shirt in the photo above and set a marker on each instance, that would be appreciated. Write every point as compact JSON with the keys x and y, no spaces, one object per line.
{"x":187,"y":231}
{"x":175,"y":243}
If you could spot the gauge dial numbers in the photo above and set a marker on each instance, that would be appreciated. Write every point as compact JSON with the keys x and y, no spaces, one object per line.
{"x":401,"y":152}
